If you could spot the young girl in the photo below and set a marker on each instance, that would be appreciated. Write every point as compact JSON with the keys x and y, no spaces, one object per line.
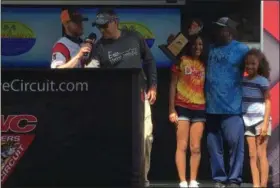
{"x":256,"y":109}
{"x":187,"y":108}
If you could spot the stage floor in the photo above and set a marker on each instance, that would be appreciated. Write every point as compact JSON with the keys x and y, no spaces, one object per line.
{"x":202,"y":184}
{"x":154,"y":184}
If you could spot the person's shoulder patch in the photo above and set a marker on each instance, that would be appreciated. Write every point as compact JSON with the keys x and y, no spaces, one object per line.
{"x":54,"y":56}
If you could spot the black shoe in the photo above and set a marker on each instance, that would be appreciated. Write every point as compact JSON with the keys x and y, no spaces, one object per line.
{"x":219,"y":185}
{"x":233,"y":185}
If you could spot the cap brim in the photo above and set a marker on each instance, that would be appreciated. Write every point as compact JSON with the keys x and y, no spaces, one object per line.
{"x":80,"y":19}
{"x":219,"y":24}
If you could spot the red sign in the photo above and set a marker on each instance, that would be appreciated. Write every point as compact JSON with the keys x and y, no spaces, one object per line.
{"x":15,"y":139}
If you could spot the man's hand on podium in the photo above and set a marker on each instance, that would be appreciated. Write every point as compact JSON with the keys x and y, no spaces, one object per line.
{"x":152,"y":95}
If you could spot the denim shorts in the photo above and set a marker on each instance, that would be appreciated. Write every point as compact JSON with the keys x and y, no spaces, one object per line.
{"x":190,"y":115}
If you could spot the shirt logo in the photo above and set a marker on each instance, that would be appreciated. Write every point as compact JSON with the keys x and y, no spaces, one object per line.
{"x":194,"y":72}
{"x":115,"y":57}
{"x":188,"y":70}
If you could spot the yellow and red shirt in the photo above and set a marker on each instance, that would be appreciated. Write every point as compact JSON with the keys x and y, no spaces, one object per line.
{"x":190,"y":85}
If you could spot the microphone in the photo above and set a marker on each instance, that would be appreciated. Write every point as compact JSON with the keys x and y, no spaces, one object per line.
{"x":90,"y":40}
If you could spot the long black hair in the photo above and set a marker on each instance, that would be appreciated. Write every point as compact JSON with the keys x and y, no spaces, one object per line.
{"x":192,"y":40}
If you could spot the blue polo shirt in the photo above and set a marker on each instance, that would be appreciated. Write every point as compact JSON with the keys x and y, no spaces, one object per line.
{"x":223,"y":84}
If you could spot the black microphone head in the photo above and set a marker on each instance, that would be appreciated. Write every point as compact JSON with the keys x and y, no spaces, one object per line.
{"x":92,"y":36}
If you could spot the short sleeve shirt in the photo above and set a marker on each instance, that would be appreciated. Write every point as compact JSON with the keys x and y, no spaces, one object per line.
{"x":223,"y":84}
{"x":253,"y":105}
{"x":190,"y":85}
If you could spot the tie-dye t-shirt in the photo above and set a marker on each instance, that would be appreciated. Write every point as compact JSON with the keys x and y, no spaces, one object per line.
{"x":190,"y":85}
{"x":223,"y":83}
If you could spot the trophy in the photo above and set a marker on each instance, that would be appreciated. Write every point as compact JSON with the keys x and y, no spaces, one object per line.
{"x":174,"y":48}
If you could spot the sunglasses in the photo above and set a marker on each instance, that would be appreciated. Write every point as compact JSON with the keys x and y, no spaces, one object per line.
{"x":105,"y":26}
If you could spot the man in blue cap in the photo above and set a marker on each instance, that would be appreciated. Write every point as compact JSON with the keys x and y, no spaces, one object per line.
{"x":223,"y":87}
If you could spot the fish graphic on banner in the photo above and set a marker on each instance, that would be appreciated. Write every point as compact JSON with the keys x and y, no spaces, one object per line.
{"x":17,"y":38}
{"x":142,"y":29}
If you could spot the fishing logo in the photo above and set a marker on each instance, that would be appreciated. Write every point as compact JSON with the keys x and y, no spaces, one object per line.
{"x":17,"y":133}
{"x":16,"y":38}
{"x":142,"y":29}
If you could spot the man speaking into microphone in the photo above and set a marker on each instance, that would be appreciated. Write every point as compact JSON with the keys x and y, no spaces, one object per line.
{"x":70,"y":51}
{"x":127,"y":49}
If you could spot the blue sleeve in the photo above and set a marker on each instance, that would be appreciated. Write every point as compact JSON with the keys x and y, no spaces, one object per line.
{"x":264,"y":83}
{"x":242,"y":50}
{"x":210,"y":47}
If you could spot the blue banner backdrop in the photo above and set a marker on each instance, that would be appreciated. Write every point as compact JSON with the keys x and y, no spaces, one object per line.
{"x":28,"y":34}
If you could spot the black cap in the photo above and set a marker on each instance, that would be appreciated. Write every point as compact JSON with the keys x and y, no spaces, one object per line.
{"x":226,"y":22}
{"x":104,"y":16}
{"x":71,"y":15}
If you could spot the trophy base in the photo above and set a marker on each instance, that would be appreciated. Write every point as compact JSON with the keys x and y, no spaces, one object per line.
{"x":170,"y":56}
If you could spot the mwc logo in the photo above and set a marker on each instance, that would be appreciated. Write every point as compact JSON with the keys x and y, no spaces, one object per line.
{"x":16,"y":136}
{"x":18,"y":123}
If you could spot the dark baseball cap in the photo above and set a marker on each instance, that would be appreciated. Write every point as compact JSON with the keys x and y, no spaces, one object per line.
{"x":104,"y":16}
{"x":72,"y":15}
{"x":226,"y":22}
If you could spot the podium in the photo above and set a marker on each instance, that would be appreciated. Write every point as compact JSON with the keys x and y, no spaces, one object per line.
{"x":72,"y":128}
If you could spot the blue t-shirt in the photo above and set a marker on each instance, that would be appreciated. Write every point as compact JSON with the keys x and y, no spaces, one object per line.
{"x":223,"y":84}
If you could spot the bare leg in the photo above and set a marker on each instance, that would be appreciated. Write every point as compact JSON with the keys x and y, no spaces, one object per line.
{"x":262,"y":156}
{"x":182,"y":144}
{"x":253,"y":160}
{"x":196,"y":132}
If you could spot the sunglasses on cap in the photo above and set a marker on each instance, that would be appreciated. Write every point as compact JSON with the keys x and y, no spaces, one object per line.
{"x":105,"y":26}
{"x":103,"y":20}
